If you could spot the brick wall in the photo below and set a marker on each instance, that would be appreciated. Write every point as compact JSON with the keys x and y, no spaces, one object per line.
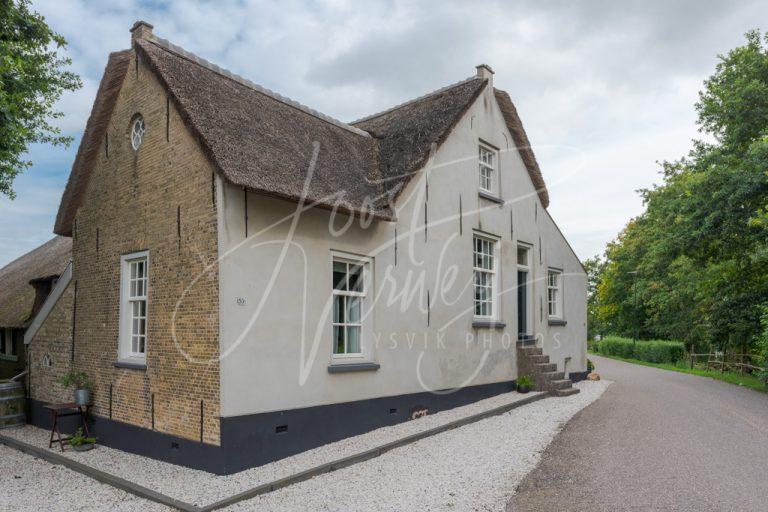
{"x":159,"y":198}
{"x":54,"y":339}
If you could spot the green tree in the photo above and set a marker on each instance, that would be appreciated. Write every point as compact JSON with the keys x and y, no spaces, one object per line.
{"x":594,"y":268}
{"x":700,"y":247}
{"x":32,"y":79}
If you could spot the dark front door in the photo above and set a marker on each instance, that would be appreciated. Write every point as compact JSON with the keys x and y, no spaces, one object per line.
{"x":522,"y":304}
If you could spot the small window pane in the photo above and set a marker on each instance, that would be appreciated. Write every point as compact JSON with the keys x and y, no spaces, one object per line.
{"x":522,"y":256}
{"x":338,"y":309}
{"x":338,"y":339}
{"x":353,"y":310}
{"x":339,"y":275}
{"x":356,"y":278}
{"x":353,"y":341}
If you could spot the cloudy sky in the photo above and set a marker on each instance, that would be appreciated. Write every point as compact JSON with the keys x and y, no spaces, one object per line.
{"x":605,"y":90}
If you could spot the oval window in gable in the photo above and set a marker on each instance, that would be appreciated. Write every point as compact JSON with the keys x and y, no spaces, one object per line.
{"x":137,"y":132}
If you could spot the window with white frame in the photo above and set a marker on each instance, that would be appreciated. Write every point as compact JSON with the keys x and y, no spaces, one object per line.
{"x":349,"y":294}
{"x":487,"y":169}
{"x":555,"y":293}
{"x":484,"y":266}
{"x":133,"y":307}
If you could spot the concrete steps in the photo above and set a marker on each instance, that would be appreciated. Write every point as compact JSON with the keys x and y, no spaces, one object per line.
{"x":532,"y":362}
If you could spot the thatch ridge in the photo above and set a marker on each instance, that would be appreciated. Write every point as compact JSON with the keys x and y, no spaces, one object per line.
{"x":411,"y":101}
{"x":181,"y":52}
{"x":266,"y":145}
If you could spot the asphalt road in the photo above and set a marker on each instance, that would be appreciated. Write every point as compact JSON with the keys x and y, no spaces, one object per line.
{"x":656,"y":440}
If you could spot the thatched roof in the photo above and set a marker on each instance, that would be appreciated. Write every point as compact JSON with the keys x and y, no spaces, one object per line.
{"x":515,"y":126}
{"x":264,"y":142}
{"x":87,"y":153}
{"x":16,"y":293}
{"x":407,"y":132}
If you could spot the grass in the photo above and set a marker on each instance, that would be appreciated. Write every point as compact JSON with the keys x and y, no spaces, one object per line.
{"x":746,"y":380}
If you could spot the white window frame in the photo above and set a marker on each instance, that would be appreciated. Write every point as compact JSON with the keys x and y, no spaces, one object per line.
{"x":364,"y":322}
{"x":127,"y":349}
{"x":493,"y":272}
{"x":527,"y":267}
{"x":555,"y":306}
{"x":487,"y":171}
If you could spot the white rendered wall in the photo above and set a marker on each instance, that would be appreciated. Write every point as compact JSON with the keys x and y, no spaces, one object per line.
{"x":273,"y":304}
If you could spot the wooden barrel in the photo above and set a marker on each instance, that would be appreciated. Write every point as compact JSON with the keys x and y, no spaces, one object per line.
{"x":11,"y":404}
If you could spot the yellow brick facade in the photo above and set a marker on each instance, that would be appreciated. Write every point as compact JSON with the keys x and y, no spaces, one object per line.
{"x":159,"y":198}
{"x":54,"y":340}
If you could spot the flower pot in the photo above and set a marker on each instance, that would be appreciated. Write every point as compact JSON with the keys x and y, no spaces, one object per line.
{"x":523,"y":389}
{"x":83,"y":447}
{"x":82,"y":396}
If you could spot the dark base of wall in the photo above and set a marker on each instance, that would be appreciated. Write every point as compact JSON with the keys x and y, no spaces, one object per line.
{"x":138,"y":440}
{"x":257,"y":439}
{"x":578,"y":376}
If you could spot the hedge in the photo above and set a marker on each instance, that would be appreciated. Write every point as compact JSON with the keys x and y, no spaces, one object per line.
{"x":653,"y":351}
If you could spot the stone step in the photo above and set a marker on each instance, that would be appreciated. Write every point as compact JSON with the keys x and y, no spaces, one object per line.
{"x":540,"y":359}
{"x":541,"y":380}
{"x":530,"y":351}
{"x":560,"y":384}
{"x":564,"y":392}
{"x":550,"y":376}
{"x":545,"y":367}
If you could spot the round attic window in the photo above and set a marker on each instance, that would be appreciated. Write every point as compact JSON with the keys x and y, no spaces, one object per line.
{"x":137,"y":132}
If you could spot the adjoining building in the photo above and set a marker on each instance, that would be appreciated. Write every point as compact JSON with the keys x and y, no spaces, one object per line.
{"x":24,"y":285}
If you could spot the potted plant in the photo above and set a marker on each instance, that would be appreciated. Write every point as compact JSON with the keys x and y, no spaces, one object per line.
{"x":524,"y":384}
{"x":82,"y":384}
{"x":80,"y":443}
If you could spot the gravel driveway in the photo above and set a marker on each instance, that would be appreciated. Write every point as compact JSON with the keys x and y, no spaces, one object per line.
{"x":28,"y":483}
{"x":657,"y":440}
{"x":474,"y":467}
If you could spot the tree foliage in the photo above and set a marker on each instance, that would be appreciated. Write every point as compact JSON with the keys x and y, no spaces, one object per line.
{"x":594,"y":267}
{"x":700,"y":248}
{"x":32,"y":79}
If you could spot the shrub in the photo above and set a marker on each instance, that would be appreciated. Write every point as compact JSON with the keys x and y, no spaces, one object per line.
{"x":80,"y":439}
{"x":660,"y":351}
{"x":77,"y":380}
{"x":616,"y":346}
{"x":654,"y":351}
{"x":524,"y":381}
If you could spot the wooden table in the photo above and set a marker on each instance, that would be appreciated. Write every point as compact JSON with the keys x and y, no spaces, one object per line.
{"x":64,"y":410}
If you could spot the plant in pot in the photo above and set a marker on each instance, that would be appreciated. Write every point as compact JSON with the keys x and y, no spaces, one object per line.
{"x":82,"y":384}
{"x":80,"y":443}
{"x":524,"y":384}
